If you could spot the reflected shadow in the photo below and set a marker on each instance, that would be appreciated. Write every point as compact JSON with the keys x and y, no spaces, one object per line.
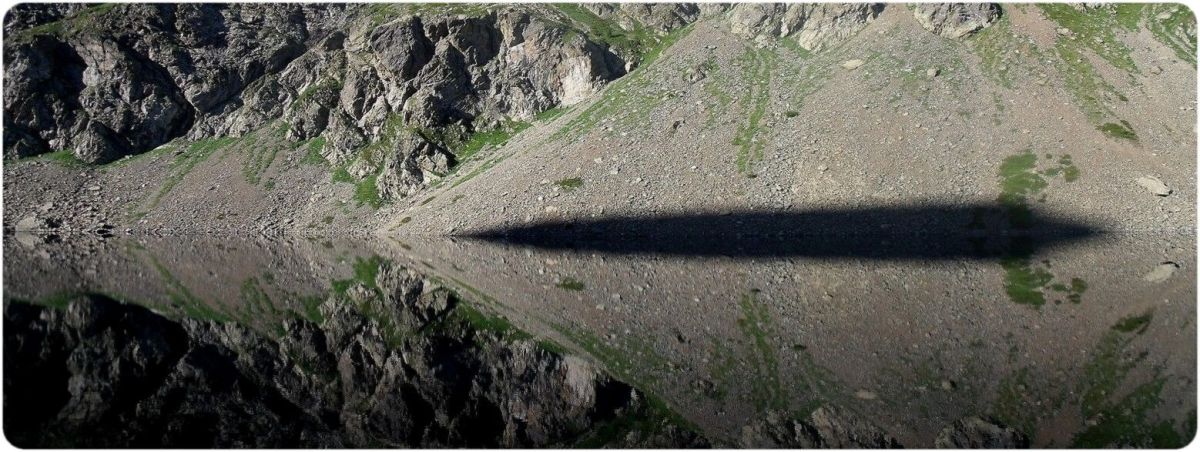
{"x":921,"y":232}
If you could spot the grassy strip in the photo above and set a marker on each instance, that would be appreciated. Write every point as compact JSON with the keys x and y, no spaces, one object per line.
{"x":759,"y":64}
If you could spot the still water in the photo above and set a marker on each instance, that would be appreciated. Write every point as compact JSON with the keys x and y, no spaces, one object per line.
{"x":750,"y":342}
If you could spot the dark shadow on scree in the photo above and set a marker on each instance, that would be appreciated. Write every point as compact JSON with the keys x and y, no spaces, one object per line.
{"x":916,"y":232}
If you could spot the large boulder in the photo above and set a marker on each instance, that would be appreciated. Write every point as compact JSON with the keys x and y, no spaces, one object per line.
{"x":955,"y":20}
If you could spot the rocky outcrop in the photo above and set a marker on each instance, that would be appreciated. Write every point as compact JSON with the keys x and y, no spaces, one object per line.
{"x":827,"y":427}
{"x":658,"y":17}
{"x":979,"y":433}
{"x":813,"y":26}
{"x":955,"y":20}
{"x":389,"y":362}
{"x":107,"y":81}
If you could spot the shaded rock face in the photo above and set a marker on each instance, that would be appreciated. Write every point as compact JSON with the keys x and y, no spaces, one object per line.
{"x":388,"y":364}
{"x":813,"y":26}
{"x":108,"y":81}
{"x":956,"y":20}
{"x":980,"y":433}
{"x":827,"y":427}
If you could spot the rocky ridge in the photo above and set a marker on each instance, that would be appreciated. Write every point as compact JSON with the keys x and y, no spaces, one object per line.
{"x":394,"y":365}
{"x":393,"y":97}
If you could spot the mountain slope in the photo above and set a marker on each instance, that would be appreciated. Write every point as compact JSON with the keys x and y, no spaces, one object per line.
{"x":1002,"y":116}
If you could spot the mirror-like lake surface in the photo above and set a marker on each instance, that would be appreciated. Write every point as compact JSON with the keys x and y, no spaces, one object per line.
{"x":194,"y":341}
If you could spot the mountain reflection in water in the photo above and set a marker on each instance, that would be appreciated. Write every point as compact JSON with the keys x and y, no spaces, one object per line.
{"x":191,"y":341}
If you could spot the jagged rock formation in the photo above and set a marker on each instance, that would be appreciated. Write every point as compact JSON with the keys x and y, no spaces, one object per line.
{"x":813,"y":26}
{"x":826,"y":427}
{"x":392,"y":362}
{"x":390,"y":87}
{"x":979,"y":433}
{"x":955,"y":20}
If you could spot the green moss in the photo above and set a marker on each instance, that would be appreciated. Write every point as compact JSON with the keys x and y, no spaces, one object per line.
{"x":1019,"y":181}
{"x":759,"y":65}
{"x":570,"y":183}
{"x":1095,"y":29}
{"x":1134,"y":324}
{"x":182,"y":297}
{"x":569,"y":283}
{"x":64,"y":157}
{"x":341,"y":175}
{"x":261,"y":148}
{"x":184,"y":163}
{"x":630,"y":98}
{"x":1129,"y":420}
{"x":1120,"y":130}
{"x":754,"y":323}
{"x":366,"y":192}
{"x":1177,"y":30}
{"x":635,"y":42}
{"x":551,"y":114}
{"x":994,"y":45}
{"x":88,"y":19}
{"x":1013,"y":406}
{"x":312,"y":152}
{"x":1023,"y":283}
{"x":491,"y":138}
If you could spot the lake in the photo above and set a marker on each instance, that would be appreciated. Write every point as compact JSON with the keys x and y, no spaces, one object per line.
{"x":517,"y":340}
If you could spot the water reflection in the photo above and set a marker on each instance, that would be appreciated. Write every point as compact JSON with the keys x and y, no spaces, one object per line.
{"x":440,"y":342}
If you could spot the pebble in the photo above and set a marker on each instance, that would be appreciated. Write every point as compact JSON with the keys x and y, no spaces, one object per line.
{"x":853,"y":64}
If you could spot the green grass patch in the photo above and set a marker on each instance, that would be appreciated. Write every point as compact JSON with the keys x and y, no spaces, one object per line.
{"x":341,"y":175}
{"x":754,"y":323}
{"x":1177,"y":30}
{"x":569,"y":283}
{"x":1120,"y":130}
{"x":490,"y":138}
{"x":630,"y":98}
{"x":83,"y":21}
{"x":1024,"y":283}
{"x":1095,"y":29}
{"x":184,"y":163}
{"x":1127,"y":421}
{"x":1018,"y":182}
{"x":63,"y":157}
{"x":634,"y":43}
{"x":312,"y":152}
{"x":758,"y":64}
{"x":1134,"y":324}
{"x":367,"y":193}
{"x":570,"y":183}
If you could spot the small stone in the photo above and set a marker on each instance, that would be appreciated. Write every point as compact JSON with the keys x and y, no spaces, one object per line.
{"x":932,"y":72}
{"x":1154,"y":185}
{"x":865,"y":394}
{"x":1162,"y":272}
{"x":853,"y":64}
{"x":1156,"y":69}
{"x":29,"y":223}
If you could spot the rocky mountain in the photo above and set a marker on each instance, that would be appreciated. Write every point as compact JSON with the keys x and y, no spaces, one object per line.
{"x":128,"y":122}
{"x":340,"y":116}
{"x":387,"y":359}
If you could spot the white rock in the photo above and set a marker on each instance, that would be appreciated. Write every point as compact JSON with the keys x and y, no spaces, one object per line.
{"x":1161,"y":273}
{"x":1154,"y":185}
{"x":932,"y":72}
{"x":853,"y":64}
